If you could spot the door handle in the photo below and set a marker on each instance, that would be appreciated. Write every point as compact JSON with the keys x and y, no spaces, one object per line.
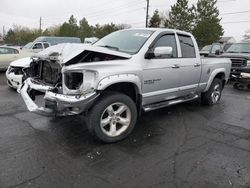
{"x":175,"y":66}
{"x":197,"y":64}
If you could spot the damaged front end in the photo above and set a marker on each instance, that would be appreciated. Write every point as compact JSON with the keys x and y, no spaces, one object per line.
{"x":67,"y":91}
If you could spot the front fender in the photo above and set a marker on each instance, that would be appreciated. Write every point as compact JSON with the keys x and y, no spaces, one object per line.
{"x":213,"y":75}
{"x":119,"y":78}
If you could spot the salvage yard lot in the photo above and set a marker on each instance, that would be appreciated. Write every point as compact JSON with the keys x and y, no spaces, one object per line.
{"x":180,"y":146}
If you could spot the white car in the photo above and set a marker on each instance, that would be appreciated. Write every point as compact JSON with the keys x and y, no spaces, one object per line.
{"x":14,"y":73}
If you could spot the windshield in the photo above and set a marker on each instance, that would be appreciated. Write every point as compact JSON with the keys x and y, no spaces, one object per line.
{"x":206,"y":48}
{"x":28,"y":46}
{"x":239,"y":48}
{"x":128,"y":41}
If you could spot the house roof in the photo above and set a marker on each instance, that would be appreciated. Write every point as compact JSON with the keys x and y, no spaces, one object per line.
{"x":225,"y":39}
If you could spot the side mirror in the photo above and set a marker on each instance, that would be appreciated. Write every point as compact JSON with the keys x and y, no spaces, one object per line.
{"x":218,"y":52}
{"x":163,"y":51}
{"x":159,"y":52}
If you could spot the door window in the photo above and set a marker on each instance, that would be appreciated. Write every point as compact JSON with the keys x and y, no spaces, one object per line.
{"x":187,"y":46}
{"x":38,"y":46}
{"x":46,"y":45}
{"x":167,"y":41}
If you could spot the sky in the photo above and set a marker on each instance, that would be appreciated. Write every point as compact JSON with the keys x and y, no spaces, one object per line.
{"x":235,"y":14}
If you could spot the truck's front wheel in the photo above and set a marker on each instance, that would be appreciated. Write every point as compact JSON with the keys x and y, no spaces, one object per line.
{"x":113,"y":117}
{"x":213,"y":95}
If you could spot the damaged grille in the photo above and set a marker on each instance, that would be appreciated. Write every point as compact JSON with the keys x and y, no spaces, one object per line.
{"x":238,"y":62}
{"x":48,"y":72}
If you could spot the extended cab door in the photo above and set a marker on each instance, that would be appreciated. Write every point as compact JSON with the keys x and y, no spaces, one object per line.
{"x":190,"y":65}
{"x":161,"y":74}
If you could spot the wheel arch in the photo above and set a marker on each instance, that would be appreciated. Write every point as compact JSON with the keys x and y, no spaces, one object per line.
{"x":218,"y":73}
{"x":128,"y":84}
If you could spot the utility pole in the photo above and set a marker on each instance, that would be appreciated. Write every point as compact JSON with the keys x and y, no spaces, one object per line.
{"x":147,"y":13}
{"x":40,"y":26}
{"x":3,"y":32}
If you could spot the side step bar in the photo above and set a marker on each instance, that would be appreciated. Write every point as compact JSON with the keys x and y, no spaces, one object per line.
{"x":163,"y":104}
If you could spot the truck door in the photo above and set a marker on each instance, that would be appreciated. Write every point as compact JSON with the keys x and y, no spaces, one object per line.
{"x":190,"y":65}
{"x":161,"y":74}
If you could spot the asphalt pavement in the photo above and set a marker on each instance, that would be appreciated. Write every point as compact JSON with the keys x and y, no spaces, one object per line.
{"x":188,"y":145}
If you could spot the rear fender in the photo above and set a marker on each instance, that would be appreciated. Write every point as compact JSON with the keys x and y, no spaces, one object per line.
{"x":213,"y":75}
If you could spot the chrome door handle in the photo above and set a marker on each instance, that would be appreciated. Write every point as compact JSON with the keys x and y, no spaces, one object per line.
{"x":175,"y":66}
{"x":197,"y":65}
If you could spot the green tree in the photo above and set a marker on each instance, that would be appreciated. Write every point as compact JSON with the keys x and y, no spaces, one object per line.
{"x":85,"y":30}
{"x":181,"y":16}
{"x":19,"y":35}
{"x":70,"y":28}
{"x":207,"y":27}
{"x":101,"y":31}
{"x":155,"y":20}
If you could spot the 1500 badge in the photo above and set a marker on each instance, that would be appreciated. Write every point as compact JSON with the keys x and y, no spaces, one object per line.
{"x":152,"y":81}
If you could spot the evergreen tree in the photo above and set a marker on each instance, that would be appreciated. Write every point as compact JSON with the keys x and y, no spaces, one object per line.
{"x":85,"y":30}
{"x":70,"y":28}
{"x":155,"y":20}
{"x":207,"y":27}
{"x":180,"y":17}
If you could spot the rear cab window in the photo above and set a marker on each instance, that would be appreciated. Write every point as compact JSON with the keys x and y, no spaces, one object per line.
{"x":187,"y":46}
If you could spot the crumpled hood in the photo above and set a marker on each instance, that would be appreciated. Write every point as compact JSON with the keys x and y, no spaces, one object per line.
{"x":236,"y":55}
{"x":66,"y":52}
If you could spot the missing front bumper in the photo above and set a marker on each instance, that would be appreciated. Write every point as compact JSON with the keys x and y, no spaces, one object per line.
{"x":56,"y":104}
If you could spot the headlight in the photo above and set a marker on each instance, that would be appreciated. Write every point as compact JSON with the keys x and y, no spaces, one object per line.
{"x":78,"y":82}
{"x":248,"y":63}
{"x":15,"y":70}
{"x":73,"y":80}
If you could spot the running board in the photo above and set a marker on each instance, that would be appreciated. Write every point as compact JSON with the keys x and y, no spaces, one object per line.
{"x":163,"y":104}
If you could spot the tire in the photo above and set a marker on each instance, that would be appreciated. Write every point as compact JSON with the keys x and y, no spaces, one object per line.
{"x":236,"y":85}
{"x":213,"y":95}
{"x":112,"y":118}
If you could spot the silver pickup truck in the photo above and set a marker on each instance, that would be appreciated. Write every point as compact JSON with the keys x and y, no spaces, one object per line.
{"x":119,"y":76}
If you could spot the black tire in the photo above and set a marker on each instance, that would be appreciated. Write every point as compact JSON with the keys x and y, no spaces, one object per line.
{"x":236,"y":85}
{"x":98,"y":112}
{"x":207,"y":97}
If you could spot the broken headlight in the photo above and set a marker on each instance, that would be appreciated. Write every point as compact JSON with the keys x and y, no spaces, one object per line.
{"x":78,"y":82}
{"x":15,"y":70}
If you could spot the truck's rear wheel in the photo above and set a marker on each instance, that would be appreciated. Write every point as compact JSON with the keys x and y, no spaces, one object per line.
{"x":113,"y":117}
{"x":213,"y":95}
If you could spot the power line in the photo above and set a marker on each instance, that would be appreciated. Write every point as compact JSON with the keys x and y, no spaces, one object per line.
{"x":236,"y":22}
{"x":241,"y":12}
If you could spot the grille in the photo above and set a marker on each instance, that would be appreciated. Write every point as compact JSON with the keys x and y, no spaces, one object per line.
{"x":238,"y":62}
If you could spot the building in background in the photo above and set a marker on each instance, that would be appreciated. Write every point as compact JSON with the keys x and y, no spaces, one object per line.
{"x":226,"y":40}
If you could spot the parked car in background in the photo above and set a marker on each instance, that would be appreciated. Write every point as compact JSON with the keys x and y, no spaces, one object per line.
{"x":210,"y":50}
{"x":111,"y":81}
{"x":43,"y":42}
{"x":9,"y":54}
{"x":239,"y":53}
{"x":205,"y":50}
{"x":14,"y":73}
{"x":90,"y":40}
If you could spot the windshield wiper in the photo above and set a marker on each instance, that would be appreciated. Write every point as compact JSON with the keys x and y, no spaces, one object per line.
{"x":245,"y":52}
{"x":231,"y":52}
{"x":111,"y":47}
